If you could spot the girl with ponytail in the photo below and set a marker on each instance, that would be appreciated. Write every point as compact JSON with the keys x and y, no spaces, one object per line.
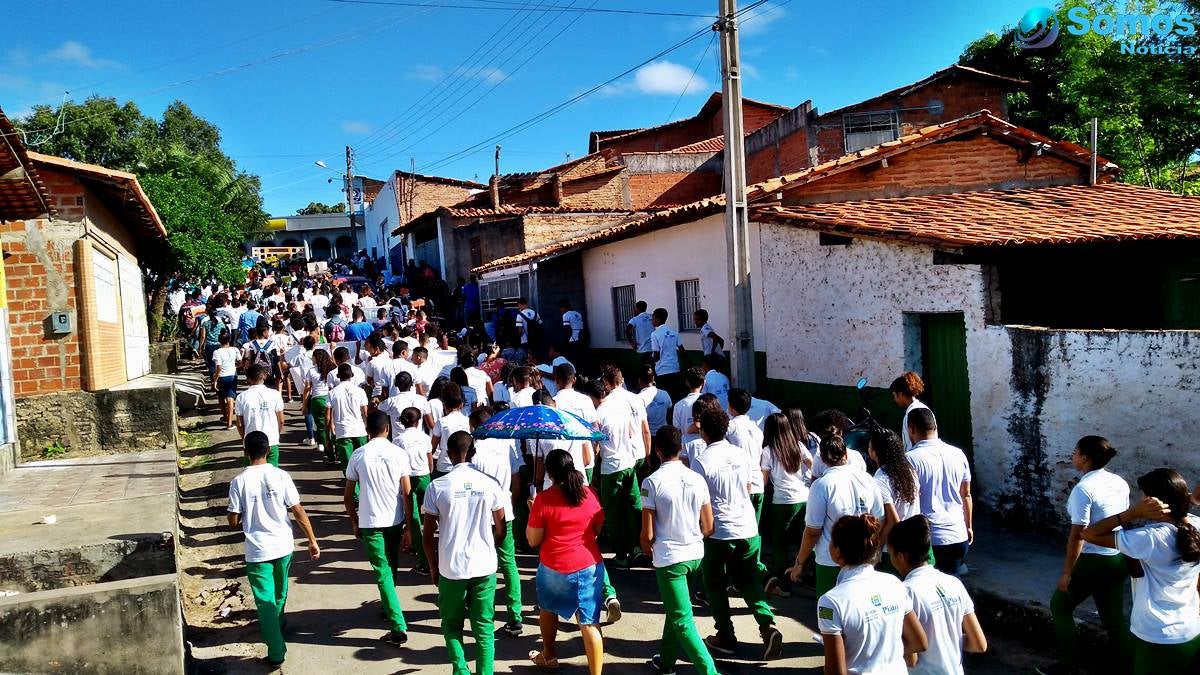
{"x":1165,"y":621}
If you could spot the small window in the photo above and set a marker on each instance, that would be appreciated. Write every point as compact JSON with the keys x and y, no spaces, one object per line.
{"x":623,"y":299}
{"x":104,"y":271}
{"x":867,"y":129}
{"x":476,"y":252}
{"x":828,"y":239}
{"x":687,"y":301}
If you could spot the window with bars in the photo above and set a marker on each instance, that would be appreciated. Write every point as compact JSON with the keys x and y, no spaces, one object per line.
{"x":687,"y":301}
{"x":502,"y":292}
{"x":867,"y":129}
{"x":623,"y":299}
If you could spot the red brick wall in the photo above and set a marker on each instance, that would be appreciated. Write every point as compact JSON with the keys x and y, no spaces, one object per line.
{"x":600,"y":192}
{"x":787,"y":156}
{"x":592,"y":164}
{"x":973,"y":164}
{"x":754,"y":117}
{"x":428,"y":197}
{"x":672,"y":189}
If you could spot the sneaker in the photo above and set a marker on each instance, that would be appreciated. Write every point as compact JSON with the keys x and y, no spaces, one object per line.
{"x":772,"y":642}
{"x":613,"y":607}
{"x":775,"y":587}
{"x":639,"y":559}
{"x":422,"y":570}
{"x":513,"y":628}
{"x":308,"y":442}
{"x":395,"y":637}
{"x":700,"y":599}
{"x":656,"y":665}
{"x":722,"y":644}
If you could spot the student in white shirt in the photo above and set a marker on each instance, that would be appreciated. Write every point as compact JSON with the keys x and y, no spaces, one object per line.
{"x":224,"y":378}
{"x":940,"y":601}
{"x":826,"y":423}
{"x":316,"y":399}
{"x":745,"y":434}
{"x":897,"y":483}
{"x":404,"y":397}
{"x":677,"y":515}
{"x":260,"y":498}
{"x":341,"y":355}
{"x":572,"y":325}
{"x":731,"y":554}
{"x":500,"y":460}
{"x":580,"y":451}
{"x":715,"y":382}
{"x":638,"y":330}
{"x":867,"y":622}
{"x":842,"y":491}
{"x":522,"y":389}
{"x":377,"y":499}
{"x":905,"y":390}
{"x":478,"y":380}
{"x":618,"y":456}
{"x":944,"y":481}
{"x":454,"y":420}
{"x":784,"y":464}
{"x":379,"y":368}
{"x":681,"y":414}
{"x":260,"y":408}
{"x":760,"y":409}
{"x":711,"y":344}
{"x":297,"y":369}
{"x":666,"y":353}
{"x":1165,"y":619}
{"x":467,"y":507}
{"x":569,"y":400}
{"x":614,"y":383}
{"x":526,"y":318}
{"x":346,"y":417}
{"x":419,"y":449}
{"x":1089,"y":570}
{"x":657,"y":401}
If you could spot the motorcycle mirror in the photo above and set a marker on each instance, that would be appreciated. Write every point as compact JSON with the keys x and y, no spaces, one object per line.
{"x":862,"y":383}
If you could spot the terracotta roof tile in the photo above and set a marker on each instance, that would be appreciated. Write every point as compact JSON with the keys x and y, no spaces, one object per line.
{"x":120,"y":190}
{"x":523,"y":210}
{"x":716,"y":144}
{"x":1067,"y":214}
{"x":23,"y":195}
{"x":937,"y":75}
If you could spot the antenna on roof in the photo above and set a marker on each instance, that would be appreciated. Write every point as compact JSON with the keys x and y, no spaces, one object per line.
{"x":497,"y":160}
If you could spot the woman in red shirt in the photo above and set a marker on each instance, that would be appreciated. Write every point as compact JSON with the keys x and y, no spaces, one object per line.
{"x":564,"y":522}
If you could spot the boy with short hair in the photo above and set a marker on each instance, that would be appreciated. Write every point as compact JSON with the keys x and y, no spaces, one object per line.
{"x":260,"y":408}
{"x":342,"y":355}
{"x":403,"y":397}
{"x":501,"y":460}
{"x":346,"y":416}
{"x":710,"y":342}
{"x":745,"y":434}
{"x":260,"y":498}
{"x":453,"y":420}
{"x":681,"y":414}
{"x":417,"y":446}
{"x":715,"y":382}
{"x":666,"y":353}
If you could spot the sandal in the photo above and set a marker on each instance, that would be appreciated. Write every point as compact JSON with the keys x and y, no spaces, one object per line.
{"x":540,"y":661}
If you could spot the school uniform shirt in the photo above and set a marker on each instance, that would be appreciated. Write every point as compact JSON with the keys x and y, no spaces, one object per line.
{"x":524,"y":318}
{"x":658,"y":405}
{"x":642,"y":328}
{"x":346,"y":402}
{"x":543,"y":447}
{"x":842,"y":491}
{"x":263,"y":495}
{"x":437,"y":409}
{"x":380,"y":367}
{"x":478,"y":380}
{"x":941,"y":470}
{"x":854,"y":458}
{"x":940,"y":602}
{"x":320,"y":385}
{"x":499,"y":459}
{"x":916,"y":404}
{"x":760,"y":409}
{"x":257,"y":406}
{"x":378,"y":466}
{"x":397,"y":366}
{"x":447,"y":425}
{"x":789,"y":488}
{"x":1166,"y":607}
{"x":675,"y":494}
{"x":463,"y":501}
{"x":395,"y":404}
{"x":573,"y":321}
{"x":359,"y":379}
{"x":349,"y":298}
{"x":867,"y":609}
{"x":887,"y":490}
{"x":746,"y":435}
{"x":693,"y":448}
{"x":1098,"y":495}
{"x":523,"y":398}
{"x":226,"y":360}
{"x":681,"y":417}
{"x":417,"y":447}
{"x":298,"y":367}
{"x":569,"y":400}
{"x":616,"y":419}
{"x":707,"y":344}
{"x":501,"y":393}
{"x":726,"y":470}
{"x":666,"y":342}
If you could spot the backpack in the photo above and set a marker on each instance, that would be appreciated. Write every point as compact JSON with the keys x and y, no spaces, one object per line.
{"x":534,"y":328}
{"x":336,"y":331}
{"x":188,"y":316}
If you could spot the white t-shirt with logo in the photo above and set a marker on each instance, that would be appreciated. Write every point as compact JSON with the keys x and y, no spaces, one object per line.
{"x":258,"y":406}
{"x":790,"y":488}
{"x":619,"y":423}
{"x":463,"y":501}
{"x":642,"y":328}
{"x":1166,"y":607}
{"x":726,"y":469}
{"x":378,"y":466}
{"x":524,"y":318}
{"x":666,"y":342}
{"x":658,"y":405}
{"x":760,"y":409}
{"x":842,"y":491}
{"x":499,"y":458}
{"x":867,"y":609}
{"x":717,"y":384}
{"x":940,"y":602}
{"x":417,"y":446}
{"x":1098,"y":495}
{"x":443,"y":429}
{"x":941,"y":470}
{"x":263,"y":495}
{"x":346,"y":402}
{"x":676,"y":495}
{"x":746,"y":435}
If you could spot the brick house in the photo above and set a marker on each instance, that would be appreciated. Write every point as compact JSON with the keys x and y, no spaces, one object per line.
{"x":399,"y":200}
{"x":705,"y":124}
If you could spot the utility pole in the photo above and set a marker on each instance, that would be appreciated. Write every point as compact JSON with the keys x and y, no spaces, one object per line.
{"x":737,"y":223}
{"x":350,"y":191}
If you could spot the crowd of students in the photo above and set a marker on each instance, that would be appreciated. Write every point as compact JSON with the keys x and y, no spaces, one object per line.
{"x":689,"y":477}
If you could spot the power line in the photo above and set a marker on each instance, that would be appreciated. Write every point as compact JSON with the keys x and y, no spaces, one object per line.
{"x":692,"y":77}
{"x":500,"y":6}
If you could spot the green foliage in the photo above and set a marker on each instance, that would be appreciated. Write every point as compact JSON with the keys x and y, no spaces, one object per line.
{"x":314,"y":208}
{"x":54,"y":450}
{"x":1147,"y":104}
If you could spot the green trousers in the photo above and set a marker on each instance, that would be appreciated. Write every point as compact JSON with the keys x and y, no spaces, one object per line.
{"x":622,"y":502}
{"x":787,"y":523}
{"x":734,"y":561}
{"x":679,"y":629}
{"x":269,"y":586}
{"x":757,"y":500}
{"x":1154,"y":659}
{"x":272,"y":457}
{"x":521,"y":506}
{"x":826,"y":578}
{"x":317,"y":405}
{"x":588,"y":473}
{"x":344,"y":447}
{"x":383,"y":549}
{"x":1101,"y":577}
{"x":506,"y":554}
{"x":419,"y":485}
{"x":474,"y":599}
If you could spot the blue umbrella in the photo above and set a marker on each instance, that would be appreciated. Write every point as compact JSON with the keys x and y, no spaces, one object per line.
{"x":538,"y":422}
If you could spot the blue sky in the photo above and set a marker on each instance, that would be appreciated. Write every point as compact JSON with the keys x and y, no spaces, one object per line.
{"x":292,"y":82}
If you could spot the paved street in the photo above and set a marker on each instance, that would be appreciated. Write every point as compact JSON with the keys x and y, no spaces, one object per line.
{"x":333,"y":609}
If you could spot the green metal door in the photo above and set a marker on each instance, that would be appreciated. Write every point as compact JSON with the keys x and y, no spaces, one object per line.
{"x":947,"y":390}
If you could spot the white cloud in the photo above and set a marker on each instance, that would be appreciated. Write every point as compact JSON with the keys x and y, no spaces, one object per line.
{"x":489,"y":75}
{"x":665,"y":77}
{"x":356,"y":127}
{"x":426,"y":73}
{"x":79,"y":54}
{"x":760,"y":19}
{"x":430,"y":73}
{"x":750,"y":71}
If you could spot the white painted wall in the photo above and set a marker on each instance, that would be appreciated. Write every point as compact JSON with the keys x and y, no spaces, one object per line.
{"x":383,"y":208}
{"x":653,"y":262}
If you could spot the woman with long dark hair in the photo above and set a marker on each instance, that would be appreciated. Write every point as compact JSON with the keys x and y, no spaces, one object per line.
{"x":316,"y":398}
{"x":564,"y":522}
{"x":897,"y":483}
{"x":785,"y":465}
{"x":1165,"y":620}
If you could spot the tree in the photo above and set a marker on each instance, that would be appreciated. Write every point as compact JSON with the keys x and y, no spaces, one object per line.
{"x":314,"y":208}
{"x":1147,"y":104}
